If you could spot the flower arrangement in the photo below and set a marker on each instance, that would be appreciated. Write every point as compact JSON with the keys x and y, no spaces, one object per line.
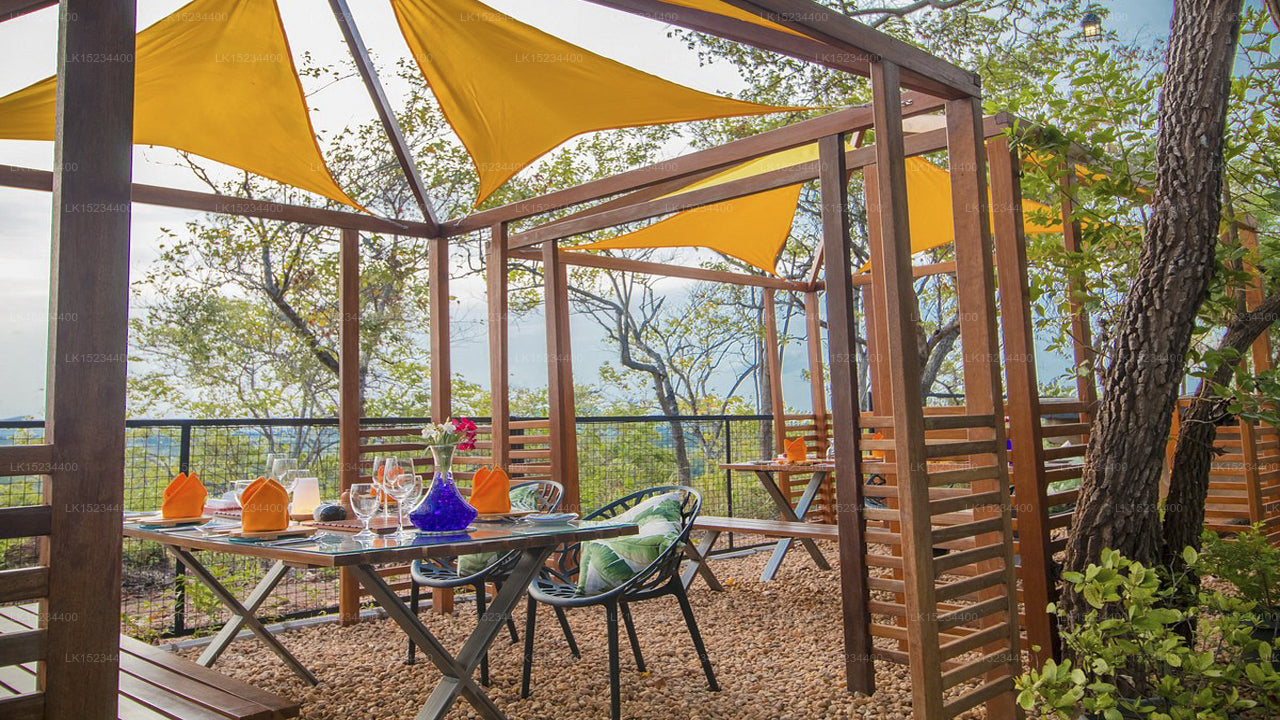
{"x":460,"y":432}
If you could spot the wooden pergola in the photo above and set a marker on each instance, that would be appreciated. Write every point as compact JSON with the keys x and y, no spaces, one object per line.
{"x":78,"y":580}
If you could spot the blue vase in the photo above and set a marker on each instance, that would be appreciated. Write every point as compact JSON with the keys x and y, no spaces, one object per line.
{"x":443,"y":509}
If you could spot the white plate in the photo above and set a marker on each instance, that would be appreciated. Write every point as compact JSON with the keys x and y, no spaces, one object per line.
{"x":550,"y":518}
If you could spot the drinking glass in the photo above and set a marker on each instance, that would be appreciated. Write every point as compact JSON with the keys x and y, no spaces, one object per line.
{"x":364,"y":501}
{"x":392,"y":468}
{"x":406,"y":488}
{"x":284,"y":469}
{"x":271,"y":464}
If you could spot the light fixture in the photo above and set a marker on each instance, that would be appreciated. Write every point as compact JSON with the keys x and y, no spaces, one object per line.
{"x":1091,"y":24}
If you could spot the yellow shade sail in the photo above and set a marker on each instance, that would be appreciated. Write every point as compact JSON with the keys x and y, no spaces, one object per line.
{"x":215,"y":78}
{"x":513,"y":93}
{"x":752,"y":228}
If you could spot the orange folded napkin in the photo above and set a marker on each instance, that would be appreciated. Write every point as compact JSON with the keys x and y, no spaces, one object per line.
{"x":796,"y":450}
{"x":264,"y":507}
{"x":491,"y":491}
{"x":184,"y":498}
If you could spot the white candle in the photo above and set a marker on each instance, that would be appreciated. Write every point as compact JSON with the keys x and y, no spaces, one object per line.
{"x":306,"y":495}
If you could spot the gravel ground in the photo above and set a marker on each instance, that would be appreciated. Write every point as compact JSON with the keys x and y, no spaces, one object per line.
{"x":776,"y":649}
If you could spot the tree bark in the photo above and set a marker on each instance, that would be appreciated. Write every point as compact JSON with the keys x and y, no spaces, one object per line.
{"x":1120,"y":487}
{"x":1194,"y":452}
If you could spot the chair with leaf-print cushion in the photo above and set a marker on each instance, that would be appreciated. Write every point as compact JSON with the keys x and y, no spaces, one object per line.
{"x":479,"y":569}
{"x":617,"y":572}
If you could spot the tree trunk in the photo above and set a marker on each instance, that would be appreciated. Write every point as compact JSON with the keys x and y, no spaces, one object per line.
{"x":1120,"y":487}
{"x":1193,"y":454}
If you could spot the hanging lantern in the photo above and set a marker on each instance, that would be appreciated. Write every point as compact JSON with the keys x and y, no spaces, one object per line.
{"x":1091,"y":24}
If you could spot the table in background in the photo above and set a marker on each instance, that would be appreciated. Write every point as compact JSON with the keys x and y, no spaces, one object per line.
{"x":765,"y":471}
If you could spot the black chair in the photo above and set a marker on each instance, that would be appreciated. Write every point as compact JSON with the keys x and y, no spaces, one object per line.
{"x":555,"y":587}
{"x":442,"y":573}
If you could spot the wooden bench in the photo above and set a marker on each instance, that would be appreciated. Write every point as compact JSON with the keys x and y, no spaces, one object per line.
{"x":155,"y":684}
{"x":707,"y":529}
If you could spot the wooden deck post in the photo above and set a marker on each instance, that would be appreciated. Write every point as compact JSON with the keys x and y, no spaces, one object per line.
{"x":561,"y":406}
{"x":1260,"y":356}
{"x":88,"y":332}
{"x":773,"y":360}
{"x":1081,"y":334}
{"x":842,"y":330}
{"x":438,"y":298}
{"x":817,"y":376}
{"x":975,"y":287}
{"x":906,"y":402}
{"x":499,"y":349}
{"x":350,"y":402}
{"x":1030,"y":491}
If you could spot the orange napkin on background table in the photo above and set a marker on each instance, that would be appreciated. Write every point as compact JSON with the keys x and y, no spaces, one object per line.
{"x":184,"y":497}
{"x":264,"y":507}
{"x":491,"y":491}
{"x":796,"y":450}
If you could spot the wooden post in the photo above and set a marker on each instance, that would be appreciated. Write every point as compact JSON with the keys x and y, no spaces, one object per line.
{"x":842,"y":329}
{"x":350,"y":403}
{"x":773,"y":359}
{"x":499,"y":360}
{"x":1030,"y":488}
{"x":906,"y":403}
{"x":1260,"y":354}
{"x":975,"y":287}
{"x":817,"y":383}
{"x":560,"y":401}
{"x":88,"y":332}
{"x":1081,"y":334}
{"x":438,"y":298}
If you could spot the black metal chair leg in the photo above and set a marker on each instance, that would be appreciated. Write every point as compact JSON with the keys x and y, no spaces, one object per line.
{"x":413,"y":605}
{"x":531,"y":616}
{"x":692,"y":624}
{"x":568,"y":632}
{"x":631,"y":635}
{"x":480,"y":606}
{"x":615,"y":691}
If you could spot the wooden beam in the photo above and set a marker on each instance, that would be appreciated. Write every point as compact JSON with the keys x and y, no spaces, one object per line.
{"x":715,"y":158}
{"x":88,"y":347}
{"x":25,"y":521}
{"x":350,"y":402}
{"x":29,"y":179}
{"x":1081,"y":334}
{"x":10,"y":9}
{"x":902,"y":312}
{"x":856,"y":158}
{"x":1023,"y":389}
{"x":25,"y":459}
{"x":438,"y":299}
{"x":842,"y":331}
{"x":364,"y":64}
{"x":980,"y":348}
{"x":917,"y":271}
{"x":499,"y":348}
{"x":918,"y":69}
{"x":608,"y":262}
{"x":773,"y":361}
{"x":561,"y":407}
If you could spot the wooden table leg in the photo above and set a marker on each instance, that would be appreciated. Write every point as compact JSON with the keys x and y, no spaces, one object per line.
{"x":796,"y":514}
{"x":457,"y":671}
{"x":698,"y":561}
{"x":242,"y":614}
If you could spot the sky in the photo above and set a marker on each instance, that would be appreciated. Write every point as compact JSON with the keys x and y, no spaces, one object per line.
{"x":27,"y":54}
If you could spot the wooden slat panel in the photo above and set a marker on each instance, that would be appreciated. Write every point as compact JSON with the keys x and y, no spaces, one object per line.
{"x":986,"y":636}
{"x":22,"y":647}
{"x":984,"y":693}
{"x":22,"y":707}
{"x":26,"y":521}
{"x":960,"y":588}
{"x":953,"y":449}
{"x":18,"y":460}
{"x":24,"y":584}
{"x":973,"y":613}
{"x":970,"y":670}
{"x":1068,"y":430}
{"x":968,"y":501}
{"x":951,"y":561}
{"x":963,"y":475}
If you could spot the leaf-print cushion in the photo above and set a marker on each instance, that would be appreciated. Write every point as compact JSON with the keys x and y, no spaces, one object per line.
{"x":524,"y":497}
{"x":606,"y":564}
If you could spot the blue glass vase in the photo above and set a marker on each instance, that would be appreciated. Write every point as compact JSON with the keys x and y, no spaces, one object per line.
{"x":443,"y":509}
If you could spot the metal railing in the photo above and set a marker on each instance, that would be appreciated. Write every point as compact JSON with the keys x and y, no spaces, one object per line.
{"x":617,"y":455}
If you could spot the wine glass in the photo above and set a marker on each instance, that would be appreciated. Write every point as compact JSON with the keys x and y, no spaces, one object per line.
{"x":284,"y":469}
{"x":406,"y":488}
{"x":271,"y":464}
{"x":392,"y":468}
{"x":364,"y":501}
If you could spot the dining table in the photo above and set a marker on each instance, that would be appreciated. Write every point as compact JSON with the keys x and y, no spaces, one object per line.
{"x":766,"y":471}
{"x":326,"y":549}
